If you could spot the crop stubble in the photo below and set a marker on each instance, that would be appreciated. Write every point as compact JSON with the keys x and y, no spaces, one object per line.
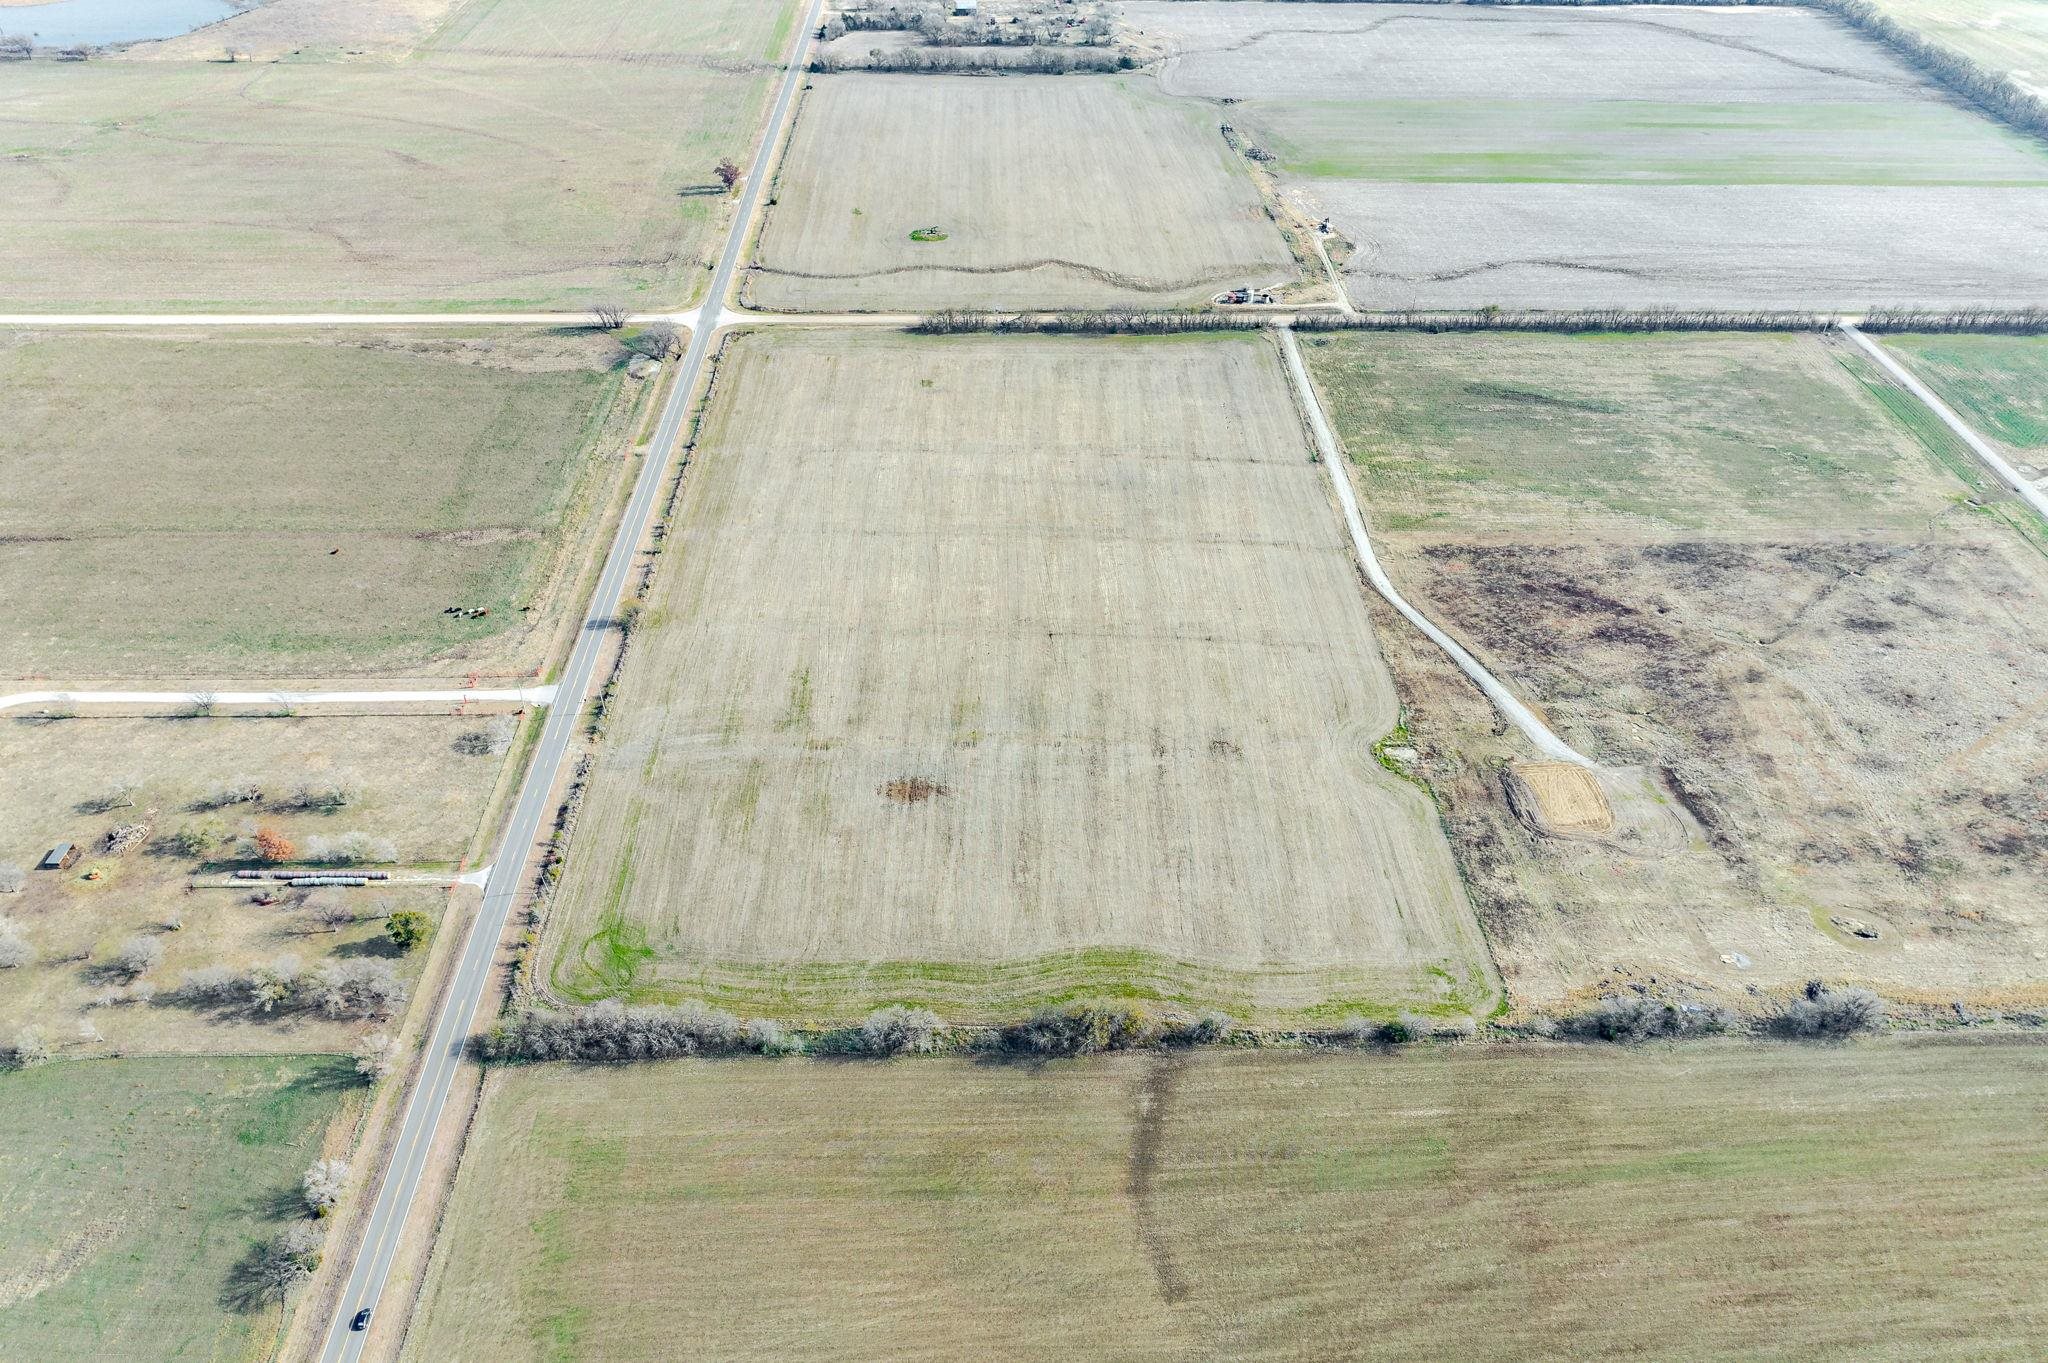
{"x":1053,"y":191}
{"x":986,"y":671}
{"x":1563,"y":158}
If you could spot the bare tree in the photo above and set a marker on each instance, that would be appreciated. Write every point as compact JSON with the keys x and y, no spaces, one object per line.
{"x":240,"y":790}
{"x":328,"y":796}
{"x":323,"y":1183}
{"x":333,"y":914}
{"x":120,"y":795}
{"x":495,"y":738}
{"x":377,"y":1055}
{"x":727,"y":172}
{"x":138,"y":956}
{"x":897,"y":1030}
{"x":15,"y":949}
{"x":772,"y":1038}
{"x":359,"y":989}
{"x":274,"y":984}
{"x":659,"y":341}
{"x":289,"y":1261}
{"x":1825,"y":1012}
{"x":29,"y":1048}
{"x":212,"y":984}
{"x":607,"y":316}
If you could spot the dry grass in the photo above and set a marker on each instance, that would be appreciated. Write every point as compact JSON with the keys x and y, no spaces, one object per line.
{"x":1619,"y":156}
{"x":1725,"y":569}
{"x":1872,"y":1202}
{"x":1567,"y":797}
{"x":1053,"y":191}
{"x":529,"y":152}
{"x":1089,"y":600}
{"x":416,"y":790}
{"x":243,"y":504}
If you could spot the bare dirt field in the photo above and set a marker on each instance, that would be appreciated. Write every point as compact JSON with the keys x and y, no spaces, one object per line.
{"x":325,"y":30}
{"x":1051,"y":191}
{"x":1543,"y":157}
{"x":1802,"y":640}
{"x":416,"y":788}
{"x":527,"y":152}
{"x":1756,"y":1202}
{"x":247,"y":504}
{"x":986,"y":671}
{"x":2008,"y":36}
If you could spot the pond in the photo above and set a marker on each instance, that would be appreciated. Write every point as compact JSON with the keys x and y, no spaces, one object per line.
{"x":63,"y":23}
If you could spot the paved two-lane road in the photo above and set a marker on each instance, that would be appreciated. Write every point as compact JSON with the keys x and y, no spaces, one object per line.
{"x":473,"y":971}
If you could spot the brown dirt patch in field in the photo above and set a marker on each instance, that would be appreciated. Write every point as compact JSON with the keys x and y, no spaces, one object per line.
{"x":1563,"y":797}
{"x":912,"y":790}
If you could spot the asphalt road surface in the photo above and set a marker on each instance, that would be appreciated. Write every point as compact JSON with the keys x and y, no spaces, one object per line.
{"x":473,"y":970}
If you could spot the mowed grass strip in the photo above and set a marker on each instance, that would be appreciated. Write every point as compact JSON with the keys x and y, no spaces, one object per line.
{"x":532,"y":153}
{"x":984,"y":671}
{"x":242,"y":505}
{"x":132,"y":1190}
{"x":1055,"y":191}
{"x":1727,"y":1202}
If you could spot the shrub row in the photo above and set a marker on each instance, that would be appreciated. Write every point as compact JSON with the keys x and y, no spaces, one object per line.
{"x":1961,"y":77}
{"x":2011,"y":321}
{"x":1133,"y":321}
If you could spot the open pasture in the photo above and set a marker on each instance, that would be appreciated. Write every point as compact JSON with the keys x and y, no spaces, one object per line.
{"x":526,"y":153}
{"x":246,"y":504}
{"x":2007,"y":36}
{"x":134,"y":1192}
{"x":1051,"y":191}
{"x":1756,"y":1202}
{"x":1598,"y":157}
{"x":75,"y":780}
{"x":1998,"y":384}
{"x":999,"y":670}
{"x":1727,"y":571}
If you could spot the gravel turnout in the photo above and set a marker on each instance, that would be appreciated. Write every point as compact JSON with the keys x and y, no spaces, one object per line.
{"x":1619,"y":156}
{"x":1046,"y":191}
{"x":993,"y":669}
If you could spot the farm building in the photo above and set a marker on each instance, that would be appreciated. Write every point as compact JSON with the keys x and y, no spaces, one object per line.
{"x":966,"y":6}
{"x":62,"y":857}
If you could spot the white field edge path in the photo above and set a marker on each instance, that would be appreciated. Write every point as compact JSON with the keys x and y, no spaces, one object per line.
{"x":2009,"y":475}
{"x":524,"y":695}
{"x":1513,"y":710}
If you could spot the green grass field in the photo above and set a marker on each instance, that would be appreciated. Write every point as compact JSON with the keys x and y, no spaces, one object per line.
{"x":1674,"y":431}
{"x":1879,"y":1201}
{"x":1999,"y":384}
{"x":132,"y":1189}
{"x":530,"y":152}
{"x":174,"y":504}
{"x":1646,"y":142}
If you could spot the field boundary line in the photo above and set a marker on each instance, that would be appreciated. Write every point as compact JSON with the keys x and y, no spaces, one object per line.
{"x":1504,"y":700}
{"x":1983,"y":449}
{"x":525,"y":695}
{"x":685,"y":318}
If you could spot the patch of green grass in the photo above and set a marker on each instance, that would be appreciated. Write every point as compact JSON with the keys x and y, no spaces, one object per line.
{"x":1999,"y":384}
{"x":1689,"y":432}
{"x":1645,"y":142}
{"x":133,"y":1189}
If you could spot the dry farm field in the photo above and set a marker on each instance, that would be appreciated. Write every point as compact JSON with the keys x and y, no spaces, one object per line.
{"x":135,"y":1192}
{"x":1050,"y":191}
{"x":997,"y":670}
{"x":251,"y":504}
{"x":76,"y":780}
{"x":1718,"y":1202}
{"x":525,"y":152}
{"x":1569,"y":158}
{"x":2007,"y":36}
{"x":1801,"y":632}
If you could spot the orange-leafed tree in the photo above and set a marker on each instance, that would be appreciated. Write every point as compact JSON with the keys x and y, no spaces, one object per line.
{"x":272,"y":845}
